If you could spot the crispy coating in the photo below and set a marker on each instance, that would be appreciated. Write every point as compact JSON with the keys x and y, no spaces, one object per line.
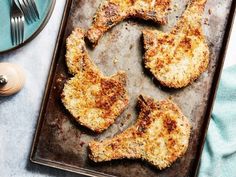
{"x":95,"y":101}
{"x":111,"y":12}
{"x":178,"y":58}
{"x":160,"y":136}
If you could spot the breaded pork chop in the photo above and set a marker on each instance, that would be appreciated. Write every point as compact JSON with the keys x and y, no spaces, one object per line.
{"x":178,"y":58}
{"x":112,"y":12}
{"x":95,"y":101}
{"x":160,"y":136}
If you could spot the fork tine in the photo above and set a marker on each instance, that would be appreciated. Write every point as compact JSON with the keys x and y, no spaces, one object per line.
{"x":13,"y":31}
{"x":17,"y":24}
{"x":21,"y":29}
{"x":32,"y":2}
{"x":25,"y":10}
{"x":30,"y":10}
{"x":17,"y":31}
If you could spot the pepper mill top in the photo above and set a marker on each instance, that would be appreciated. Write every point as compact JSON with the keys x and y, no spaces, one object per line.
{"x":3,"y":80}
{"x":12,"y":79}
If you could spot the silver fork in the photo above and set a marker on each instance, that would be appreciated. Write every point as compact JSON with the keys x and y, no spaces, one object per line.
{"x":17,"y":24}
{"x":29,"y":9}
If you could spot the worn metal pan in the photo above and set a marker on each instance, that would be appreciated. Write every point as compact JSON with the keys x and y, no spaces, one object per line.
{"x":61,"y":143}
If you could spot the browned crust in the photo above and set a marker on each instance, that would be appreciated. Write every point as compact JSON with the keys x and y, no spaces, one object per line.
{"x":178,"y":58}
{"x":95,"y":101}
{"x":111,"y":12}
{"x":160,"y":136}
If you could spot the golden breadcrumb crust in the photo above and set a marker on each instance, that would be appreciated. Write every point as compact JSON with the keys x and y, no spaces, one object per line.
{"x":178,"y":58}
{"x":112,"y":12}
{"x":160,"y":136}
{"x":95,"y":101}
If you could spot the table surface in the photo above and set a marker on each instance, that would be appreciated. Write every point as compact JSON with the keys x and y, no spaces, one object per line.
{"x":19,"y":113}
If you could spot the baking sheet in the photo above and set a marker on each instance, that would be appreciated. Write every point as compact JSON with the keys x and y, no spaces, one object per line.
{"x":62,"y":143}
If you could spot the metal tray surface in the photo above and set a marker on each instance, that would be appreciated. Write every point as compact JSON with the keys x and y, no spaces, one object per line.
{"x":61,"y":143}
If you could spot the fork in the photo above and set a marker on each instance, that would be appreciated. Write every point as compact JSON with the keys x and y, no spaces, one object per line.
{"x":29,"y":9}
{"x":17,"y":24}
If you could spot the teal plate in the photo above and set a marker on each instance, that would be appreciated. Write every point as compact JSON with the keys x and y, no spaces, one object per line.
{"x":45,"y":8}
